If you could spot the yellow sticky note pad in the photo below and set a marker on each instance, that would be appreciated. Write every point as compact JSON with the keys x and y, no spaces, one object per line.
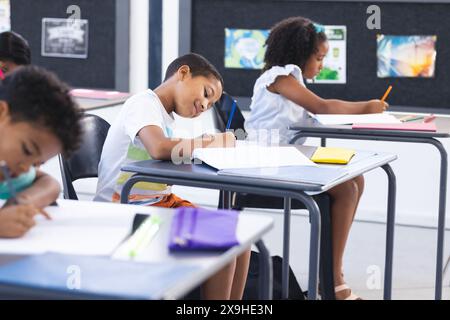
{"x":332,"y":155}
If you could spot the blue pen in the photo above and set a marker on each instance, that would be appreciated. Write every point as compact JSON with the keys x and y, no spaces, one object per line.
{"x":230,"y":118}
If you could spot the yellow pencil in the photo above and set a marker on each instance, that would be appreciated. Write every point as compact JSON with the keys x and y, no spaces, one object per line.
{"x":386,"y":93}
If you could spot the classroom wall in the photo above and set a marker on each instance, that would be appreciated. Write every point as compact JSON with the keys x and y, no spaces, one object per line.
{"x":98,"y":70}
{"x":417,"y":168}
{"x":209,"y":18}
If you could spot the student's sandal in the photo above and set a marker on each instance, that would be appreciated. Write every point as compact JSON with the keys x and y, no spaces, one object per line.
{"x":343,"y":287}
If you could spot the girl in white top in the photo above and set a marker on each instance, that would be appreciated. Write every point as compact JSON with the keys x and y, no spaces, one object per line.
{"x":296,"y":48}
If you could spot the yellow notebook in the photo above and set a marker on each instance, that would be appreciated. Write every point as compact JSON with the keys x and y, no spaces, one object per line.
{"x":332,"y":155}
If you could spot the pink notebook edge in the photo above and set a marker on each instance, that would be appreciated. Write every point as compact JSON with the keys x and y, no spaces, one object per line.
{"x":430,"y":126}
{"x":98,"y":94}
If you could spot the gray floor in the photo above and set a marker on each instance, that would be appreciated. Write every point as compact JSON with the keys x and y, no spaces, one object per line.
{"x":414,"y":258}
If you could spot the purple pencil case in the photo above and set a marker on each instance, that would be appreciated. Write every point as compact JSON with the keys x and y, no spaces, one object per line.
{"x":196,"y":229}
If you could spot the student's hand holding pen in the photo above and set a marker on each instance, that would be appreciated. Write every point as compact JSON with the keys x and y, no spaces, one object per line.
{"x":220,"y":140}
{"x":376,"y":106}
{"x":16,"y":220}
{"x":23,"y":200}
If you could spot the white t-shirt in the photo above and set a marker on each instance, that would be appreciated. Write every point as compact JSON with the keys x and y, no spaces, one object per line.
{"x":271,"y":111}
{"x":123,"y":146}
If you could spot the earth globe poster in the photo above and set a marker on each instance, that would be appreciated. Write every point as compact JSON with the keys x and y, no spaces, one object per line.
{"x":244,"y":48}
{"x":411,"y":56}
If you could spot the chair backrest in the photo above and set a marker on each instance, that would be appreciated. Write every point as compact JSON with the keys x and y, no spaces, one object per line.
{"x":222,"y":110}
{"x":83,"y":163}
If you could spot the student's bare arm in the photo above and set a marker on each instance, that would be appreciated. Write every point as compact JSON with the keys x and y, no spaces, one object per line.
{"x":290,"y":88}
{"x":161,"y":148}
{"x":44,"y":191}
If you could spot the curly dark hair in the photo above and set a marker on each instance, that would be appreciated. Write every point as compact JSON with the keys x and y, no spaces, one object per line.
{"x":198,"y":64}
{"x":13,"y":47}
{"x":292,"y":41}
{"x":36,"y":96}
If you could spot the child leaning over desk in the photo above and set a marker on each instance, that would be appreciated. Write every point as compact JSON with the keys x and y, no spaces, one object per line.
{"x":143,"y":130}
{"x":14,"y":52}
{"x":38,"y":120}
{"x":296,"y":48}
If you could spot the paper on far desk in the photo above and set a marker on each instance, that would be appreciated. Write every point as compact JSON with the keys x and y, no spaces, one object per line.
{"x":78,"y":228}
{"x":338,"y":119}
{"x":251,"y":156}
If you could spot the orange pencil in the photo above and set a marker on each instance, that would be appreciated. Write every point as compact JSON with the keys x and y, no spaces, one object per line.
{"x":386,"y":93}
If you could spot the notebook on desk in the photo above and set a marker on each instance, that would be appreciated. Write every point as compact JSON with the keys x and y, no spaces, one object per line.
{"x":252,"y":156}
{"x":342,"y":119}
{"x":98,"y":94}
{"x":313,"y":175}
{"x":98,"y":276}
{"x":73,"y":231}
{"x":405,"y":126}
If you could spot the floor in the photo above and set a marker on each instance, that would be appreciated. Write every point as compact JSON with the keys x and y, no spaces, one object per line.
{"x":414,"y":257}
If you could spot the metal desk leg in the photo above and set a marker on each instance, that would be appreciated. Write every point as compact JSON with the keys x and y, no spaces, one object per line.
{"x":314,"y":247}
{"x":441,"y":217}
{"x":314,"y":214}
{"x":390,"y":224}
{"x":226,"y":199}
{"x":286,"y":246}
{"x":229,"y":199}
{"x":265,"y":270}
{"x":309,"y":202}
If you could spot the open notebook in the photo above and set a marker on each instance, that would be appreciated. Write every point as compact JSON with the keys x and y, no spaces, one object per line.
{"x":251,"y":156}
{"x":274,"y":163}
{"x":80,"y":229}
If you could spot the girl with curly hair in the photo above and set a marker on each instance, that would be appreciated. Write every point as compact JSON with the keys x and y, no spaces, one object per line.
{"x":296,"y":48}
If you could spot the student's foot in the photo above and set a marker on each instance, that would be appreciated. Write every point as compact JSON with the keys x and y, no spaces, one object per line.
{"x":343,"y":292}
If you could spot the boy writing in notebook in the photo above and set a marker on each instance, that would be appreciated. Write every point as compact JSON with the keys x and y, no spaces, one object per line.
{"x":38,"y":120}
{"x":144,"y":130}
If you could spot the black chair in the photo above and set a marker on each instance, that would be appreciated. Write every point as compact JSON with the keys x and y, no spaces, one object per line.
{"x":83,"y":163}
{"x":222,"y":110}
{"x":239,"y":201}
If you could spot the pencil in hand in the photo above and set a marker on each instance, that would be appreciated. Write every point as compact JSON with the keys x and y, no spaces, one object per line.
{"x":386,"y":94}
{"x":13,"y":199}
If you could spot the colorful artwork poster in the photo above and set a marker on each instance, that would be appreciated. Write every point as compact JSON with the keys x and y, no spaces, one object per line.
{"x":5,"y":19}
{"x":335,"y":63}
{"x":411,"y":56}
{"x":244,"y":48}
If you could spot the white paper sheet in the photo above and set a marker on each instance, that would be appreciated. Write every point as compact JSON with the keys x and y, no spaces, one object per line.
{"x":251,"y":156}
{"x":337,"y":119}
{"x":76,"y":227}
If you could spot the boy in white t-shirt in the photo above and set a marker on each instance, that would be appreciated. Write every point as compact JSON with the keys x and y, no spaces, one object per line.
{"x":143,"y":130}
